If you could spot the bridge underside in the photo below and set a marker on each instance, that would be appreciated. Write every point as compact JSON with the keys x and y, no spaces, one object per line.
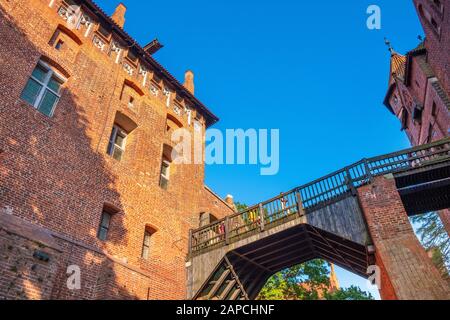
{"x":425,"y":189}
{"x":244,"y":271}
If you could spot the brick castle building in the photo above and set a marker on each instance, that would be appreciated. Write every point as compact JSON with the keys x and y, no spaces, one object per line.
{"x":419,"y":83}
{"x":87,"y":181}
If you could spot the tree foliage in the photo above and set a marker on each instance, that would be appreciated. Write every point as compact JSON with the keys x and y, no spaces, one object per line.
{"x":309,"y":281}
{"x":435,"y":239}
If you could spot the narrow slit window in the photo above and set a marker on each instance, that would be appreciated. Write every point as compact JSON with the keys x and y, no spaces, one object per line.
{"x":146,"y":246}
{"x":59,"y":45}
{"x":105,"y":223}
{"x":165,"y":174}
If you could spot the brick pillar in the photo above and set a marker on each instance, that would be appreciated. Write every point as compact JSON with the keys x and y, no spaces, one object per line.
{"x":407,"y":272}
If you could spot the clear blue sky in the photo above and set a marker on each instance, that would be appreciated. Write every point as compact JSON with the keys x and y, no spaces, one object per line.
{"x":309,"y":68}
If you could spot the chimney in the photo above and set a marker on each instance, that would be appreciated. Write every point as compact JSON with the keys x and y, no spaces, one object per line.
{"x":230,"y":200}
{"x":189,"y":82}
{"x":119,"y":15}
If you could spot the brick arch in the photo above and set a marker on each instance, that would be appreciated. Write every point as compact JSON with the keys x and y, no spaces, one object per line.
{"x":72,"y":35}
{"x":133,"y":85}
{"x":53,"y":63}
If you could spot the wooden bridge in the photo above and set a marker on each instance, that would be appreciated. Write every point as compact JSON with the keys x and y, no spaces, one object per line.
{"x":233,"y":258}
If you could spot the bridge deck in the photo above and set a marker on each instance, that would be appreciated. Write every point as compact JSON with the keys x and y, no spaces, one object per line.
{"x":414,"y":169}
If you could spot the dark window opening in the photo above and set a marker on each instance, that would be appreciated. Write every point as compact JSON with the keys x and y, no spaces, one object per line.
{"x":404,"y":119}
{"x":417,"y":113}
{"x":59,"y":45}
{"x":434,"y":109}
{"x":131,"y":102}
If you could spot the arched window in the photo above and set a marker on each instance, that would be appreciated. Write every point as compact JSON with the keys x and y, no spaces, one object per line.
{"x":172,"y":123}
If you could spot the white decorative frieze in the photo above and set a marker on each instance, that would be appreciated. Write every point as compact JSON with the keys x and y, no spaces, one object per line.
{"x":99,"y":43}
{"x":154,"y":90}
{"x":177,"y":110}
{"x":144,"y":73}
{"x":166,"y":93}
{"x":188,"y":112}
{"x":71,"y":14}
{"x":128,"y":69}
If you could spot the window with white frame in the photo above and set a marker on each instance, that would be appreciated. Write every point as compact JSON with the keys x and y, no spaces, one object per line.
{"x":117,"y":142}
{"x":43,"y":88}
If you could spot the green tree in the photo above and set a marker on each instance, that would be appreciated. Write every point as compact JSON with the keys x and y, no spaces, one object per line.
{"x":435,"y":239}
{"x":351,"y":293}
{"x":240,"y":207}
{"x":309,"y":281}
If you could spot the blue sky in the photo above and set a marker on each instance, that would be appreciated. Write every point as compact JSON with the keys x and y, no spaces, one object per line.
{"x":309,"y":68}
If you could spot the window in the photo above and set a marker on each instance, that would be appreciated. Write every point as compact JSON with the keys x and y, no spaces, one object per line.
{"x":104,"y":226}
{"x":165,"y":174}
{"x":59,"y":45}
{"x":42,"y":90}
{"x":131,"y":102}
{"x":434,"y":109}
{"x":147,"y":243}
{"x":417,"y":113}
{"x":117,"y":142}
{"x":404,"y":119}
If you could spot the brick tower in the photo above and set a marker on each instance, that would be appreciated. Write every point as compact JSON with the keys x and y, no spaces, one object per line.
{"x":419,"y":86}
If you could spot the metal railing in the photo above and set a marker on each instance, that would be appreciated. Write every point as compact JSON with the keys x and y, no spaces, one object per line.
{"x":313,"y":196}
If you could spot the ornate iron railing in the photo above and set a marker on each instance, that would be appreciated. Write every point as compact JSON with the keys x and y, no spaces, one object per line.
{"x":313,"y":196}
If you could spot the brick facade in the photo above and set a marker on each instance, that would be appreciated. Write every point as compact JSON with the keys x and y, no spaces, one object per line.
{"x":407,"y":271}
{"x":55,"y":172}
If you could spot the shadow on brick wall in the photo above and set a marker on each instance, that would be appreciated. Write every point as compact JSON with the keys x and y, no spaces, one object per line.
{"x":56,"y":180}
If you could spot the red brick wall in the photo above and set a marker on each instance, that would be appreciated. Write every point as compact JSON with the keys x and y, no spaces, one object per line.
{"x":405,"y":265}
{"x":55,"y":173}
{"x":22,"y":276}
{"x":438,"y":45}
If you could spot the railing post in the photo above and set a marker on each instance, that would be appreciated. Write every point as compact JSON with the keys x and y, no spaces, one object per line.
{"x":227,"y":230}
{"x":350,"y":184}
{"x":368,"y":172}
{"x":298,"y":198}
{"x":261,"y":217}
